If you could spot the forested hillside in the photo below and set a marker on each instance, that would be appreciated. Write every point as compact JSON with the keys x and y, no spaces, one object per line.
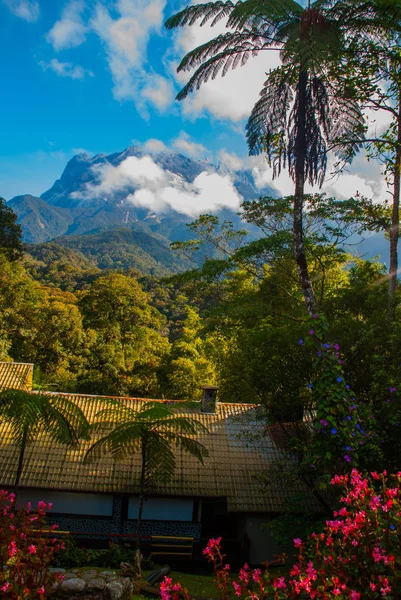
{"x":235,"y":321}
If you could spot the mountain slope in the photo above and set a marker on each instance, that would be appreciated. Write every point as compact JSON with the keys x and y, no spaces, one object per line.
{"x":126,"y":188}
{"x":126,"y":249}
{"x":40,"y":221}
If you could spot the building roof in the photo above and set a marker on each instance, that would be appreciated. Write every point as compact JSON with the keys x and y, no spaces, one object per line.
{"x":16,"y":375}
{"x":240,"y":453}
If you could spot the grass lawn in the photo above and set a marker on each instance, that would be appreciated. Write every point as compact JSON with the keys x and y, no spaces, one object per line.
{"x":197,"y":585}
{"x":204,"y":585}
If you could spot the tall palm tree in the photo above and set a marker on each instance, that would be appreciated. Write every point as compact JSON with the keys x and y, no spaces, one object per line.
{"x":152,"y":432}
{"x":30,"y":415}
{"x":302,"y":107}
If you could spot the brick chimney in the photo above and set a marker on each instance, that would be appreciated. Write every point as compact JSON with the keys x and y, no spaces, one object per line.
{"x":209,"y":398}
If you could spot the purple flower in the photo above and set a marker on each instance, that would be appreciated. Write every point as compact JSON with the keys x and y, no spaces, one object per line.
{"x":300,"y":342}
{"x":311,"y":331}
{"x":392,"y":527}
{"x":339,"y":379}
{"x":323,"y":422}
{"x":315,"y":316}
{"x":336,"y":346}
{"x":348,"y":417}
{"x":310,"y":386}
{"x":353,"y":407}
{"x":333,"y":430}
{"x":347,"y":387}
{"x":347,"y":458}
{"x":393,"y":389}
{"x":348,"y":448}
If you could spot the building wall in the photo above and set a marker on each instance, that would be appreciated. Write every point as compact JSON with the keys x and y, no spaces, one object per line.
{"x":99,"y":516}
{"x":262,"y":546}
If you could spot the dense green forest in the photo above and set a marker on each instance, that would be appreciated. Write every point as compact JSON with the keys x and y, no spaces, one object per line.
{"x":235,"y":321}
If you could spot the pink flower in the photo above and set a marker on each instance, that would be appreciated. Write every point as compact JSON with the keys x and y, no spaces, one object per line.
{"x":5,"y":587}
{"x":280,"y":583}
{"x":355,"y":595}
{"x":257,"y":575}
{"x":12,"y":549}
{"x":237,"y":589}
{"x":297,"y":542}
{"x":165,"y":588}
{"x":41,"y":590}
{"x":32,"y":549}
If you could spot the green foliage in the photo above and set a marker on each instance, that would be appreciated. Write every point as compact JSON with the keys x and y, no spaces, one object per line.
{"x":30,"y":415}
{"x":10,"y":233}
{"x":75,"y":556}
{"x":188,"y":365}
{"x":152,"y":430}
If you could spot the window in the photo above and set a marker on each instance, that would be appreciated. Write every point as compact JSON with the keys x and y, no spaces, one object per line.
{"x":162,"y":509}
{"x":69,"y":502}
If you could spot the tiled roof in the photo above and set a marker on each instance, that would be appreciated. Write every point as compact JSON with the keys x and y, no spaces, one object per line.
{"x":16,"y":375}
{"x":239,"y":453}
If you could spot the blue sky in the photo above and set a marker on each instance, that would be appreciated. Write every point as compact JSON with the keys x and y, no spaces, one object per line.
{"x":74,"y":80}
{"x":100,"y":75}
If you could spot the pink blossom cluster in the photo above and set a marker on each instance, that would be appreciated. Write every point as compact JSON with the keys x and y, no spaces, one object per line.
{"x":26,"y":550}
{"x":356,"y":557}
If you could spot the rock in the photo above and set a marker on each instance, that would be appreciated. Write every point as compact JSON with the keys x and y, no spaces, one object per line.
{"x":89,"y":575}
{"x":57,"y":570}
{"x":73,"y":586}
{"x":69,"y":575}
{"x":120,"y":590}
{"x":97,"y":583}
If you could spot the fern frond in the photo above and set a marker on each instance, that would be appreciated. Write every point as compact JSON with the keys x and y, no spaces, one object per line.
{"x":232,"y":42}
{"x":191,"y":14}
{"x":263,"y":14}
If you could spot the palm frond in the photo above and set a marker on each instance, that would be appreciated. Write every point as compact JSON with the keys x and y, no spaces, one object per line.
{"x":160,"y":460}
{"x":212,"y":67}
{"x":263,"y":15}
{"x":31,"y":414}
{"x":186,"y":425}
{"x":123,"y":441}
{"x":266,"y":129}
{"x":189,"y":445}
{"x":235,"y":43}
{"x":191,"y":14}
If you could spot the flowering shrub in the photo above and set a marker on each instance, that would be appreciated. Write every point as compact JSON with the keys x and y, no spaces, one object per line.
{"x":26,"y":551}
{"x":356,"y":557}
{"x":346,"y":430}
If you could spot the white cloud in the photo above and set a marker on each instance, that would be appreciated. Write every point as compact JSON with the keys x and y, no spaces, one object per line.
{"x":230,"y":97}
{"x":159,"y":91}
{"x":184,"y":144}
{"x":232,"y":161}
{"x":130,"y":172}
{"x":209,"y":192}
{"x":29,"y":10}
{"x":160,"y":190}
{"x":65,"y":69}
{"x":361,"y":176}
{"x":125,"y":39}
{"x":70,"y":30}
{"x":154,"y":145}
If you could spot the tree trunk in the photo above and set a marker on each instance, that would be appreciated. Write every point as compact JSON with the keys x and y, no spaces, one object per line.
{"x":299,"y":249}
{"x":395,"y":217}
{"x":141,"y":498}
{"x":20,"y":461}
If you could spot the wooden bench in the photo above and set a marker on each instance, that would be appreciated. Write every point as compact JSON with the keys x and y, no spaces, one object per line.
{"x":172,"y":546}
